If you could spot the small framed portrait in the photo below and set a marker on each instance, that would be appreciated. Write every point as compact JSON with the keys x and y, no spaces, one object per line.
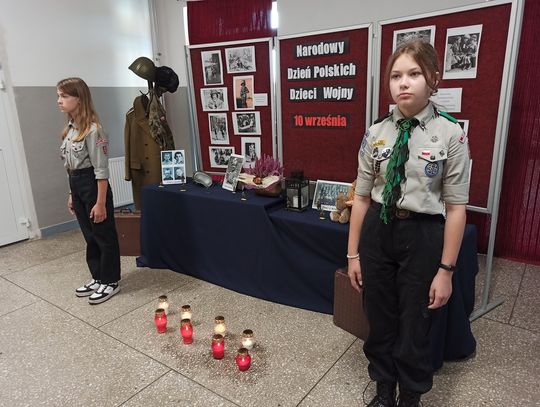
{"x":233,"y":171}
{"x":426,"y":34}
{"x":219,"y":156}
{"x":251,"y":150}
{"x":243,"y":92}
{"x":212,"y":67}
{"x":461,"y":53}
{"x":245,"y":124}
{"x":214,"y":99}
{"x":240,"y":59}
{"x":326,"y":193}
{"x":219,"y":131}
{"x":464,"y":125}
{"x":173,"y":167}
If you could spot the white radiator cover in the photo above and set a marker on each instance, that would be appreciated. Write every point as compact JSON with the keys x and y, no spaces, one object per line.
{"x":122,"y":193}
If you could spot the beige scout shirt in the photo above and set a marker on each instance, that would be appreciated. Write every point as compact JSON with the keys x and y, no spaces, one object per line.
{"x":90,"y":152}
{"x":437,"y":170}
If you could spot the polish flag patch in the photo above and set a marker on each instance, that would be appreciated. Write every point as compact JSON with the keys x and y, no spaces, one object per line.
{"x":426,"y":152}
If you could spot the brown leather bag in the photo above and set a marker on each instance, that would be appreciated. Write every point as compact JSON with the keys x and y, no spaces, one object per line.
{"x":348,"y":306}
{"x":128,"y":226}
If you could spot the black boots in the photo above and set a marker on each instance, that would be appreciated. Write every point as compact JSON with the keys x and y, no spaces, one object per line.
{"x":408,"y":398}
{"x":386,"y":395}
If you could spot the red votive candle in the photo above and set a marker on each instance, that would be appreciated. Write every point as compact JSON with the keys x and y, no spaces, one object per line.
{"x":160,"y":319}
{"x":218,"y":346}
{"x":243,"y":360}
{"x":186,"y":329}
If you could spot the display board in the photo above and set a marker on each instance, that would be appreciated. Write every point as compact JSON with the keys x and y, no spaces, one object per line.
{"x":473,"y":47}
{"x":232,"y":99}
{"x":323,"y":101}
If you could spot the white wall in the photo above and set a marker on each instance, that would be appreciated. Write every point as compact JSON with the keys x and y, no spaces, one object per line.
{"x":297,"y":16}
{"x":96,"y":40}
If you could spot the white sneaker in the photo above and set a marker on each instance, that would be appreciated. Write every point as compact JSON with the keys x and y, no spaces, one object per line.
{"x":103,"y":293}
{"x":87,"y":289}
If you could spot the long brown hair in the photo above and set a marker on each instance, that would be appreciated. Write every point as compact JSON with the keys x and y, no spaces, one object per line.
{"x":424,"y":55}
{"x":86,"y":114}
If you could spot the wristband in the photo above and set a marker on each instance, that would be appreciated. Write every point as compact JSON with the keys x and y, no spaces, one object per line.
{"x":447,"y":267}
{"x":357,"y":255}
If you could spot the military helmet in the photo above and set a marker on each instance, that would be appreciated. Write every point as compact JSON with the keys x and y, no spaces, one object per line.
{"x":144,"y":67}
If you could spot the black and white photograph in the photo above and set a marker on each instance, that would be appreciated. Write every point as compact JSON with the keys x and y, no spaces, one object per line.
{"x":166,"y":157}
{"x":219,"y":156}
{"x":219,"y":131}
{"x":464,"y":125}
{"x":251,"y":150}
{"x":326,"y":193}
{"x":246,"y":123}
{"x":426,"y":34}
{"x":241,"y":59}
{"x":214,"y":99}
{"x":461,"y":53}
{"x":173,"y":167}
{"x":243,"y":92}
{"x":212,"y":67}
{"x":233,"y":171}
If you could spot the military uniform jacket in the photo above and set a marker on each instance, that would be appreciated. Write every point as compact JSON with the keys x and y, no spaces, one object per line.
{"x":437,"y":170}
{"x":92,"y":151}
{"x":142,"y":152}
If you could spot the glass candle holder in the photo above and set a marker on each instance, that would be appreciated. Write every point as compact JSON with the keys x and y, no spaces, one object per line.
{"x":218,"y":346}
{"x":186,"y":329}
{"x":163,"y":303}
{"x":243,"y":360}
{"x":185,"y":312}
{"x":219,"y":325}
{"x":160,"y":319}
{"x":247,"y":339}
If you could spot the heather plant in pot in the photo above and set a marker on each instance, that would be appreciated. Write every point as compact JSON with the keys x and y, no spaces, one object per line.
{"x":265,"y":176}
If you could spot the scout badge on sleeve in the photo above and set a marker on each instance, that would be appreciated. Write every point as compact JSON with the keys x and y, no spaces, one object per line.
{"x":103,"y":143}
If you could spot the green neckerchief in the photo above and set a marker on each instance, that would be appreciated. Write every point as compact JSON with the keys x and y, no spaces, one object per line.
{"x":395,"y":171}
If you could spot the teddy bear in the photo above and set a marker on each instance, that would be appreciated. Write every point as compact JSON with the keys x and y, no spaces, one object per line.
{"x":342,"y":214}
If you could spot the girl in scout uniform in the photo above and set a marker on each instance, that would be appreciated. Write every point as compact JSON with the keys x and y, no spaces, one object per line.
{"x":84,"y":151}
{"x":406,"y":225}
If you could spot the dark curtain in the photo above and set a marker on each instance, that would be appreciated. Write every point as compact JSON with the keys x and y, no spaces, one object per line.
{"x":212,"y":21}
{"x":518,"y":226}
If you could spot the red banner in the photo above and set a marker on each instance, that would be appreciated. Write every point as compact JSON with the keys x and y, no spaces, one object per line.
{"x":324,"y":81}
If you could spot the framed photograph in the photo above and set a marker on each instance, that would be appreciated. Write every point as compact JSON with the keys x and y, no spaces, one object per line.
{"x":464,"y":125}
{"x":243,"y":92}
{"x":214,"y":99}
{"x":461,"y":53}
{"x":240,"y":59}
{"x":212,"y":67}
{"x":233,"y":171}
{"x":219,"y":131}
{"x":251,"y":150}
{"x":246,"y":123}
{"x":173,"y":167}
{"x":326,"y":193}
{"x":219,"y":156}
{"x":426,"y":34}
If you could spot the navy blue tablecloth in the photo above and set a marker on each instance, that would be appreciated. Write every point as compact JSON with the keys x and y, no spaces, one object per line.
{"x":257,"y":247}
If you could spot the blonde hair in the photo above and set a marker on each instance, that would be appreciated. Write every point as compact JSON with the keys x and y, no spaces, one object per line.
{"x":425,"y":56}
{"x":86,"y":114}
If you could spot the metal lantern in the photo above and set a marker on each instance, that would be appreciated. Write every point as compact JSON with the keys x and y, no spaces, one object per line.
{"x":297,"y":188}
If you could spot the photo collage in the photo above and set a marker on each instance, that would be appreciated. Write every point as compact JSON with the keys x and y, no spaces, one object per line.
{"x":246,"y":122}
{"x":173,"y":167}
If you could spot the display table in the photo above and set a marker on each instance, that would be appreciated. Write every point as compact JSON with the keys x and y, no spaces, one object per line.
{"x":257,"y":247}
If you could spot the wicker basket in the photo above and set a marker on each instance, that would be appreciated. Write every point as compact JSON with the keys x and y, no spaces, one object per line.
{"x":273,"y":191}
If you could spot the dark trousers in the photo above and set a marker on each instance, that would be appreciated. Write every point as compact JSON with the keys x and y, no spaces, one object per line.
{"x":102,"y":251}
{"x":399,"y":261}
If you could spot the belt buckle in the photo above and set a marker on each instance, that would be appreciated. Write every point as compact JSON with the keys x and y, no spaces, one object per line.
{"x":403,"y":213}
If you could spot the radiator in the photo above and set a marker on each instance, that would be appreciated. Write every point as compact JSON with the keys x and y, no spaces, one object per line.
{"x":122,"y":193}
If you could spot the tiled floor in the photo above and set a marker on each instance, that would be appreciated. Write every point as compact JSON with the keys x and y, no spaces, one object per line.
{"x":57,"y":350}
